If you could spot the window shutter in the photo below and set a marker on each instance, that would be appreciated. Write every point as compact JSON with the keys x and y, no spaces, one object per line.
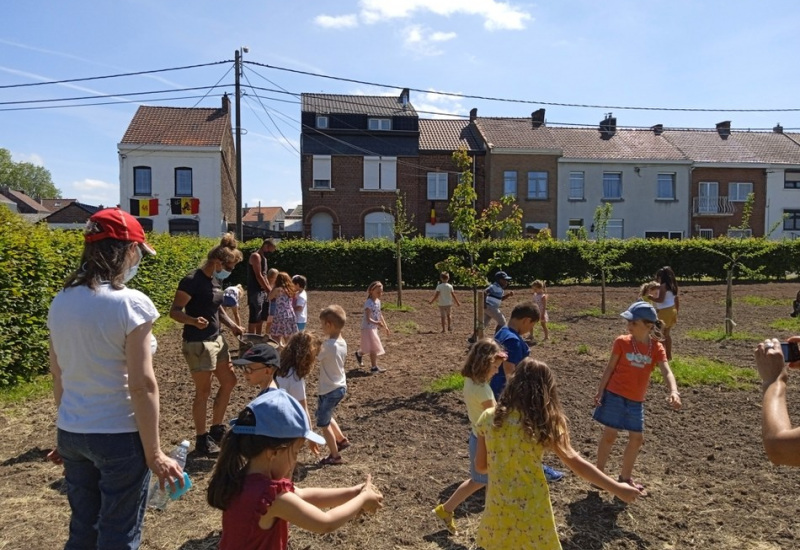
{"x":372,"y":172}
{"x":322,"y":167}
{"x":388,"y":172}
{"x":432,"y":181}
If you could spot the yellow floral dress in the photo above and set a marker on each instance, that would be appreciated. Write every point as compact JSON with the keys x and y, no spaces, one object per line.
{"x":518,"y":512}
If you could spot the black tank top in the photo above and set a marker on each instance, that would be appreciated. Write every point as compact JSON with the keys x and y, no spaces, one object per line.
{"x":252,"y":282}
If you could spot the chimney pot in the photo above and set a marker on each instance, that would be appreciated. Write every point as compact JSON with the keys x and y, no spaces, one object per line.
{"x":537,"y":118}
{"x":658,"y":129}
{"x":473,"y":114}
{"x":608,"y":127}
{"x":724,"y":129}
{"x":778,"y":129}
{"x":226,"y":103}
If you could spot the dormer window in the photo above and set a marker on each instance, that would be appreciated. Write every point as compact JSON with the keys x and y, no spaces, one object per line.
{"x":322,"y":122}
{"x":380,"y":124}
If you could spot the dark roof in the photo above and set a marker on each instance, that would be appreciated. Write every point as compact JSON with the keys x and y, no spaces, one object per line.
{"x":447,"y":135}
{"x":54,"y":204}
{"x":191,"y":126}
{"x":376,"y":105}
{"x":739,"y":147}
{"x":625,"y":144}
{"x":24,"y":200}
{"x":296,"y":212}
{"x":516,"y":133}
{"x":74,"y":212}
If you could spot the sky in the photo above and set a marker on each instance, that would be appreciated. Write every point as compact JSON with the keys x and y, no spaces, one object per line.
{"x":660,"y":54}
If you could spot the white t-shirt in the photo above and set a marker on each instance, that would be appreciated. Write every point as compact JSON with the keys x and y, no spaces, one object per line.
{"x":332,"y":355}
{"x":293,"y":385}
{"x":88,"y":329}
{"x":301,"y":299}
{"x":445,"y":291}
{"x":669,"y":301}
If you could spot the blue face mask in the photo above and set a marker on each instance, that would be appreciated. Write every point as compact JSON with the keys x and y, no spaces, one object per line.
{"x":222,"y":274}
{"x":130,"y":273}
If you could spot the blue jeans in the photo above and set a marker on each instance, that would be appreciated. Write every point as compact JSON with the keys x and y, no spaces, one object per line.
{"x":325,"y":405}
{"x":107,"y":479}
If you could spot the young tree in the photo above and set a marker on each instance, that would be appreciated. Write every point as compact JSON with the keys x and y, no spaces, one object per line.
{"x":600,"y":255}
{"x":33,"y":180}
{"x":501,"y":218}
{"x":403,"y":229}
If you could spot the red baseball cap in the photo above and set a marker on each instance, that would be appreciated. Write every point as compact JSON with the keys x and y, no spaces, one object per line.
{"x":115,"y":223}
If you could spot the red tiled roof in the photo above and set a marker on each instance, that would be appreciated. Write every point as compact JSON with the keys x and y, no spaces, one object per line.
{"x":739,"y":147}
{"x":587,"y":143}
{"x":191,"y":126}
{"x":269,"y":212}
{"x":20,"y":197}
{"x":447,"y":135}
{"x":516,"y":133}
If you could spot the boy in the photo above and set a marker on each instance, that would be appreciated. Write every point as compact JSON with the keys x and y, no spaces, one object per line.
{"x":230,"y":299}
{"x":332,"y":385}
{"x":259,"y":365}
{"x":446,"y":295}
{"x":493,"y":296}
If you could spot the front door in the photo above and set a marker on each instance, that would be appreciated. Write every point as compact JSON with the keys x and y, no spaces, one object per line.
{"x":708,"y":197}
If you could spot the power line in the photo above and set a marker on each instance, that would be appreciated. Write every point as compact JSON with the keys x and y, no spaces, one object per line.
{"x":43,"y":107}
{"x":100,"y":96}
{"x":268,"y":129}
{"x":270,"y":116}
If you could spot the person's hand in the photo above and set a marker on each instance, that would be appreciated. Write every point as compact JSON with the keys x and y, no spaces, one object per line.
{"x":55,"y":457}
{"x":373,"y":498}
{"x":769,"y":360}
{"x":237,"y":330}
{"x":167,"y":470}
{"x":387,"y":329}
{"x":510,"y":293}
{"x":598,"y":397}
{"x":674,"y":400}
{"x":314,"y":448}
{"x":627,"y":493}
{"x":201,"y":323}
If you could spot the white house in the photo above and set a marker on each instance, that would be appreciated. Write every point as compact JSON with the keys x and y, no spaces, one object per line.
{"x":177,"y":169}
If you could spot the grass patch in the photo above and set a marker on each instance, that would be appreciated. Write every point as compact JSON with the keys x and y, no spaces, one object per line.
{"x":164,"y":324}
{"x":701,"y":371}
{"x":591,"y":312}
{"x":583,"y":349}
{"x":448,"y":382}
{"x":761,"y":301}
{"x":405,"y":308}
{"x":790,"y":323}
{"x":38,"y":388}
{"x":718,"y":334}
{"x":556,"y":327}
{"x":407,"y":327}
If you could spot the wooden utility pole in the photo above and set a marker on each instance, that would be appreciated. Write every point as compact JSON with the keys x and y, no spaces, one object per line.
{"x":238,"y":68}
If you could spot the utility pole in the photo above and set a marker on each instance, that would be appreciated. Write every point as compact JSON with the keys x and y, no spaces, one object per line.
{"x":238,"y":103}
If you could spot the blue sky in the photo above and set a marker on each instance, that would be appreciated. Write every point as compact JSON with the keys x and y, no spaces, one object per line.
{"x":657,"y":53}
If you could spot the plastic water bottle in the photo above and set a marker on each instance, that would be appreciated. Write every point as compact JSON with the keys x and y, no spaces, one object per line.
{"x":158,"y":498}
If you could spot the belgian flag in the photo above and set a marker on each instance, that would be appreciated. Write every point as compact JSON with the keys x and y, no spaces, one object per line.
{"x":184,"y":206}
{"x":144,"y":207}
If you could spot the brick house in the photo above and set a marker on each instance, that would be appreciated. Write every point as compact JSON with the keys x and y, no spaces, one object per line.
{"x":73,"y":215}
{"x":180,"y":163}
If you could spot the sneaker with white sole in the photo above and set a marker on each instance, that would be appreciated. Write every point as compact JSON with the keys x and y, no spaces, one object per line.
{"x":359,"y":358}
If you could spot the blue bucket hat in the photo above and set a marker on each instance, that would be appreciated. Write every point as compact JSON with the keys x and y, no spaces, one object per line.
{"x":640,"y":310}
{"x":278,"y":415}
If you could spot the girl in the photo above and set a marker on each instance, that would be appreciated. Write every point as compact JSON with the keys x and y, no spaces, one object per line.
{"x":512,"y":437}
{"x":251,"y":484}
{"x":297,"y":360}
{"x":372,"y":320}
{"x":667,"y":304}
{"x":540,"y":299}
{"x":283,"y":320}
{"x":300,"y":302}
{"x":484,"y":358}
{"x":446,"y":295}
{"x":620,"y":396}
{"x":648,"y":291}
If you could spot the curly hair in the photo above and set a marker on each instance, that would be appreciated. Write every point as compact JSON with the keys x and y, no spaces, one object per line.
{"x":532,"y":394}
{"x":479,"y":361}
{"x":299,"y":354}
{"x":283,"y":280}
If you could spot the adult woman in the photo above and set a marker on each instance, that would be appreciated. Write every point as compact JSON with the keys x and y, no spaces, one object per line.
{"x":198,"y":305}
{"x":667,"y":304}
{"x":105,"y":388}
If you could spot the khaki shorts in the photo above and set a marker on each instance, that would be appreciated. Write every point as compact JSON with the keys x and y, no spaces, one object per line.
{"x":205,"y":356}
{"x":444,"y":311}
{"x":669,"y":316}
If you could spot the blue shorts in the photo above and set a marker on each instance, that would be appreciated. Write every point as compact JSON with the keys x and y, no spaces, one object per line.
{"x":301,"y":327}
{"x":620,"y":413}
{"x":325,"y":405}
{"x":473,"y":451}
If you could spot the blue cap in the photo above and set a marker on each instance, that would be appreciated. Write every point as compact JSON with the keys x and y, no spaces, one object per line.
{"x":278,"y":415}
{"x":501,"y":275}
{"x":640,"y":310}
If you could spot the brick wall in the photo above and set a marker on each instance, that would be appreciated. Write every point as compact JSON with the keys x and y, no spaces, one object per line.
{"x":724,"y":176}
{"x":228,"y":178}
{"x":534,"y":210}
{"x":443,"y":162}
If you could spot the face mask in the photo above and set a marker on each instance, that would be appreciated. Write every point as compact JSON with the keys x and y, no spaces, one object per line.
{"x":130,"y":273}
{"x":222,"y":274}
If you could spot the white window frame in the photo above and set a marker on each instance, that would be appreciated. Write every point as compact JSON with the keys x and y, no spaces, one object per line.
{"x":380,"y":173}
{"x":734,"y":190}
{"x":577,"y":182}
{"x":740,"y":233}
{"x":615,"y":229}
{"x":322,"y":122}
{"x":672,"y":177}
{"x":537,"y":191}
{"x":510,"y":183}
{"x":321,"y":172}
{"x":379,"y":124}
{"x":537,"y":226}
{"x":439,"y":231}
{"x":705,"y":233}
{"x":379,"y":225}
{"x":617,"y":179}
{"x":574,"y":224}
{"x":184,"y":186}
{"x":437,"y":186}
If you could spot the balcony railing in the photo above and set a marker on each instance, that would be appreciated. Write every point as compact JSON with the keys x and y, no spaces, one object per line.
{"x":712,"y":206}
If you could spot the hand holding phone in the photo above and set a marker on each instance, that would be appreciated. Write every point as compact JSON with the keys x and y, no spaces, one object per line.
{"x":791,"y":351}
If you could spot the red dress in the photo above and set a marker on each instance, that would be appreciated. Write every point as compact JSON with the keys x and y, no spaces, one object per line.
{"x":240,"y":530}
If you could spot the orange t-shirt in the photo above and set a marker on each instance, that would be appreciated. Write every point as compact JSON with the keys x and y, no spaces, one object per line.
{"x":632,"y":373}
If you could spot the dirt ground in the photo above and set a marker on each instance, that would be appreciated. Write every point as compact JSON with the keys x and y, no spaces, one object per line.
{"x":710,"y":483}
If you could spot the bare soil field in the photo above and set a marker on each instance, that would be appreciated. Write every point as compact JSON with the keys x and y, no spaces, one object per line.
{"x":710,"y":484}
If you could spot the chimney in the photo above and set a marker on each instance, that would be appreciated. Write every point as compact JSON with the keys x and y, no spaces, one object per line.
{"x":778,"y":129}
{"x":405,"y":97}
{"x":724,"y":129}
{"x":608,"y":127}
{"x":658,"y":129}
{"x":473,"y":114}
{"x":537,"y":118}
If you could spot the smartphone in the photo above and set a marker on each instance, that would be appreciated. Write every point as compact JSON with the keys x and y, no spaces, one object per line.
{"x":791,"y":351}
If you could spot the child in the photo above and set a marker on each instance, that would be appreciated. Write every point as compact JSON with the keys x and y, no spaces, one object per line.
{"x":300,"y":302}
{"x":372,"y":320}
{"x":667,"y":304}
{"x":796,"y":306}
{"x":649,"y":291}
{"x":620,"y":396}
{"x":230,"y":299}
{"x":332,"y":385}
{"x":283,"y":321}
{"x":493,"y":296}
{"x":251,"y":480}
{"x":272,"y":275}
{"x":540,"y":299}
{"x":482,"y":362}
{"x":297,"y":360}
{"x":446,"y":295}
{"x":512,"y":437}
{"x":259,"y":364}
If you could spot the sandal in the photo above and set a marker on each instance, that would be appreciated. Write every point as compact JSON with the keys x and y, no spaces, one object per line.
{"x":343,"y":444}
{"x":331,"y":460}
{"x":638,"y":486}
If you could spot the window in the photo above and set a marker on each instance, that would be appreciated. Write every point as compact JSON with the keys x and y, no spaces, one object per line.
{"x":437,"y":186}
{"x":380,"y":173}
{"x":791,"y":179}
{"x":612,"y":185}
{"x":146,"y":223}
{"x":184,"y":226}
{"x":706,"y":233}
{"x":665,"y":188}
{"x":537,"y":185}
{"x":321,"y":172}
{"x":321,"y":227}
{"x":614,"y":228}
{"x":510,"y":184}
{"x":322,"y":122}
{"x":738,"y":191}
{"x":142,"y":180}
{"x":708,"y":197}
{"x":379,"y":225}
{"x":380,"y":124}
{"x":575,"y":225}
{"x":676,"y":235}
{"x":532,"y":229}
{"x":183,"y":182}
{"x":791,"y":220}
{"x":740,"y":233}
{"x":440,"y":231}
{"x":576,"y":186}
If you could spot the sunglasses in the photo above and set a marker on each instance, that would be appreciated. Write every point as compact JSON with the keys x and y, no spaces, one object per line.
{"x":250,"y":370}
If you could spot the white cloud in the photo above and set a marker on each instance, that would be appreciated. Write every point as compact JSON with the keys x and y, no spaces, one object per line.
{"x":95,"y":192}
{"x":422,"y":40}
{"x":337,"y":21}
{"x":497,"y":15}
{"x":32,"y":158}
{"x":433,"y":105}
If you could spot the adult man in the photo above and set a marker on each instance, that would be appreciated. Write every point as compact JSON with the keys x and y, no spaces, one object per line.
{"x":258,"y":287}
